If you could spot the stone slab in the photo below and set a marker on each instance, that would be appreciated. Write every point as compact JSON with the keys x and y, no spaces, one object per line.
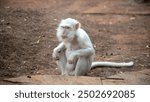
{"x":128,"y":78}
{"x":146,"y":71}
{"x":55,"y":80}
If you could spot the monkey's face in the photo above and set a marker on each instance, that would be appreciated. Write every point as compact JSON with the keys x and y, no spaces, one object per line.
{"x":67,"y":29}
{"x":66,"y":32}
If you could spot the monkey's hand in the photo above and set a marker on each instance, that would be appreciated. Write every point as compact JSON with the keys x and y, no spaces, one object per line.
{"x":72,"y":58}
{"x":56,"y":53}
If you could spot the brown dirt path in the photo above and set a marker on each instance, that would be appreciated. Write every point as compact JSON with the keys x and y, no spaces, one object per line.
{"x":119,"y":30}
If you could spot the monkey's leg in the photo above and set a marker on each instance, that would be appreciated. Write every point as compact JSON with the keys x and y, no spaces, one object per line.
{"x":61,"y":62}
{"x":69,"y":69}
{"x":83,"y":66}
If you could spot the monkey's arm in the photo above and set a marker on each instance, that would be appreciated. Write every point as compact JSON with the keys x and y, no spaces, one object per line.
{"x":85,"y":45}
{"x":85,"y":52}
{"x":86,"y":49}
{"x":58,"y":49}
{"x":80,"y":53}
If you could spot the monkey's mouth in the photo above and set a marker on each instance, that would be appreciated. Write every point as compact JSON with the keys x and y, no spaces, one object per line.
{"x":64,"y":37}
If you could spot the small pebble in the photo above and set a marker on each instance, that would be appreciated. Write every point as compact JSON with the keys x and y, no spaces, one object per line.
{"x":28,"y":76}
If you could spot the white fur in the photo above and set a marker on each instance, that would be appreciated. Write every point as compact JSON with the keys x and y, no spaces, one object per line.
{"x":112,"y":64}
{"x":75,"y":51}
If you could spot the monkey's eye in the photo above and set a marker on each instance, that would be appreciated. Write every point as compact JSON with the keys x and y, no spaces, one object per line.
{"x":62,"y":26}
{"x":67,"y":27}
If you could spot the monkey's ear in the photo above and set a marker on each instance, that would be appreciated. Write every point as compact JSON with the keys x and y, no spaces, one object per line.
{"x":78,"y":25}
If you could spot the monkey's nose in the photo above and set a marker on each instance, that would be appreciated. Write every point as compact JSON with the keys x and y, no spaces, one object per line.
{"x":64,"y":36}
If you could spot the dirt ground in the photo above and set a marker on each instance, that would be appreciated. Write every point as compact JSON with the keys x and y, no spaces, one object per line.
{"x":119,"y":30}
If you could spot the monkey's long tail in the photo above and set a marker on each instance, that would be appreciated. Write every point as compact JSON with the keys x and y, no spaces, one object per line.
{"x":112,"y":64}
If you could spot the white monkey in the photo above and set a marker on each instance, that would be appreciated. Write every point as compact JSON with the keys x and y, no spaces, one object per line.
{"x":74,"y":54}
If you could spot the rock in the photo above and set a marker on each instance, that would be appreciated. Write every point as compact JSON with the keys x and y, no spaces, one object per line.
{"x":28,"y":76}
{"x":9,"y":27}
{"x":7,"y":23}
{"x":132,"y":18}
{"x":38,"y":42}
{"x":147,"y":46}
{"x":2,"y":20}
